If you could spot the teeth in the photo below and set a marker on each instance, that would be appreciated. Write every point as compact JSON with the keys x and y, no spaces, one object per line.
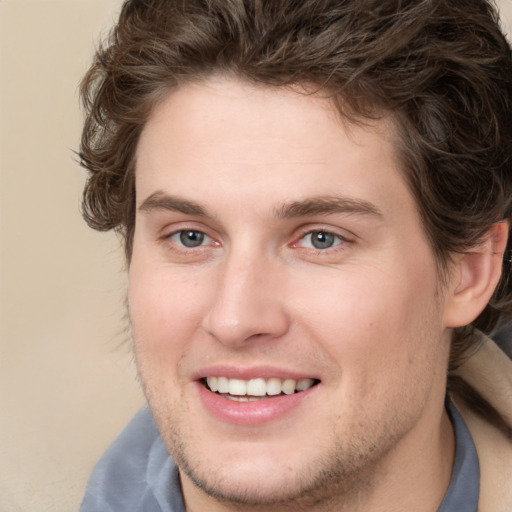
{"x":243,"y":398}
{"x":289,"y":386}
{"x":304,"y":384}
{"x":273,"y":387}
{"x":223,"y":385}
{"x":257,"y":387}
{"x":213,"y":383}
{"x":237,"y":387}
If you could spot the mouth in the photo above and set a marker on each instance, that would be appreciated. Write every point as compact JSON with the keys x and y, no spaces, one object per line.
{"x":253,"y":390}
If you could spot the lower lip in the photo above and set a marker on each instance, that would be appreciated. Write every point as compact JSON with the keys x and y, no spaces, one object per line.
{"x":251,"y":413}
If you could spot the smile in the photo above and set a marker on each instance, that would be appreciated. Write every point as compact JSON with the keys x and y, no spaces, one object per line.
{"x":261,"y":398}
{"x":256,"y":389}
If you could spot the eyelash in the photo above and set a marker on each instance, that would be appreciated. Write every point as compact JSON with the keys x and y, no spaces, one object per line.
{"x":336,"y":239}
{"x":177,"y":238}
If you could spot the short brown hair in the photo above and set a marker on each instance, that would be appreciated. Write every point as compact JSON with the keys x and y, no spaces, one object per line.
{"x":442,"y":68}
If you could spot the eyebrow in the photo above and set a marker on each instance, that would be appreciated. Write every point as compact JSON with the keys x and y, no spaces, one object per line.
{"x":326,"y":205}
{"x":323,"y":205}
{"x":161,"y":201}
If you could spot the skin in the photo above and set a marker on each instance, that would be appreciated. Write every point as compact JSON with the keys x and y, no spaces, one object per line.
{"x":367,"y":316}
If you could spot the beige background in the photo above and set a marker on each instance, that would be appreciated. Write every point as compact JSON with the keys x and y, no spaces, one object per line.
{"x":67,"y":383}
{"x":66,"y":380}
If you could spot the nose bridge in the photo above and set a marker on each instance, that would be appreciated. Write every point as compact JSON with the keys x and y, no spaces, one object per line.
{"x":247,"y":301}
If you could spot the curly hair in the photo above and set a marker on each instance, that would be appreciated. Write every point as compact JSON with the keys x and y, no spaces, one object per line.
{"x":441,"y":68}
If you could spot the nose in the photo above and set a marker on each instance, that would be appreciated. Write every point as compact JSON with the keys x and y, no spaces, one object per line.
{"x":248,"y":302}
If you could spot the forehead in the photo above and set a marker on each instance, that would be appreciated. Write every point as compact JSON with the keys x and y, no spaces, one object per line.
{"x":247,"y":140}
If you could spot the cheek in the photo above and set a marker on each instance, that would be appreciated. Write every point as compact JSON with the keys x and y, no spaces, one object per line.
{"x":372,"y":322}
{"x":164,"y":313}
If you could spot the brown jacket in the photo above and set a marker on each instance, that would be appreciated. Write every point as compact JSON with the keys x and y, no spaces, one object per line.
{"x":489,"y":372}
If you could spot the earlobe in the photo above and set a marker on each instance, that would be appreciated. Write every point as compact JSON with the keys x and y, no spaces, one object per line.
{"x":475,"y":276}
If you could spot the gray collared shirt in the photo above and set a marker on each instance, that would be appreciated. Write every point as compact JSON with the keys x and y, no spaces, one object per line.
{"x":464,"y":490}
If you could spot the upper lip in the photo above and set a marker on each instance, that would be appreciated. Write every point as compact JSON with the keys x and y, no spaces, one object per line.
{"x":254,"y":372}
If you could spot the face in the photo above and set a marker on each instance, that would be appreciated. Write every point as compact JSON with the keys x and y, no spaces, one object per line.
{"x":284,"y":300}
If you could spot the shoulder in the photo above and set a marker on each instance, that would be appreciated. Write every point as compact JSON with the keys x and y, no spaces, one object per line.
{"x":494,"y":449}
{"x":489,"y":373}
{"x":126,"y":477}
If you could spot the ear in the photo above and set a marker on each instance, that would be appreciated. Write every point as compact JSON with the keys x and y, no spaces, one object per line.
{"x":475,"y":277}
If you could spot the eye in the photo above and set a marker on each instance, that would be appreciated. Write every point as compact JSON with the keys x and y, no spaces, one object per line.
{"x":320,"y":240}
{"x":190,"y":238}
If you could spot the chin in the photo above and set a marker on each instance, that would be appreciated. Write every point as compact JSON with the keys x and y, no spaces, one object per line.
{"x":257,"y":486}
{"x":266,"y":477}
{"x":248,"y":488}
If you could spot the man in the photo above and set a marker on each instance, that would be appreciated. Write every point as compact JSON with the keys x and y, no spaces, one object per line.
{"x":315,"y":199}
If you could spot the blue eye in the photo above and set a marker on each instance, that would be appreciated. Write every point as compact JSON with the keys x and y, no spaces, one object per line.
{"x":190,"y":238}
{"x":321,"y":240}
